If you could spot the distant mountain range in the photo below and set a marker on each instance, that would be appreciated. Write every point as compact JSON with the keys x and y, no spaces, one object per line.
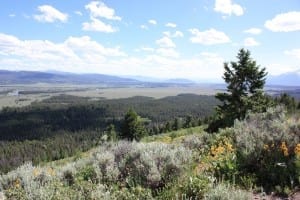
{"x":291,"y":79}
{"x":30,"y":77}
{"x":27,"y":77}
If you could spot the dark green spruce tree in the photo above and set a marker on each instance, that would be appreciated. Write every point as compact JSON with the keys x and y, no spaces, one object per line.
{"x":133,"y":128}
{"x":245,"y":82}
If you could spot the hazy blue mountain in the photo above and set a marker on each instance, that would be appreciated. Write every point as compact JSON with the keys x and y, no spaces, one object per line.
{"x":292,"y":79}
{"x":23,"y":77}
{"x":145,"y":79}
{"x":179,"y":80}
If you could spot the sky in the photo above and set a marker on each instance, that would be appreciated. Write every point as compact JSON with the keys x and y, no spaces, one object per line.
{"x":165,"y":39}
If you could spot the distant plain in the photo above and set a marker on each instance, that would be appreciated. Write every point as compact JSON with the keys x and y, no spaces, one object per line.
{"x":26,"y":94}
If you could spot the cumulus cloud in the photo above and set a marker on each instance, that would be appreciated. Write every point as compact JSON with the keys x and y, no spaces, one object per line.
{"x":249,"y":42}
{"x":165,"y":42}
{"x":208,"y":37}
{"x":293,"y":52}
{"x":171,"y":25}
{"x":74,"y":54}
{"x":284,"y":22}
{"x":97,"y":25}
{"x":99,"y":9}
{"x":228,"y":8}
{"x":254,"y":31}
{"x":50,"y":14}
{"x":83,"y":54}
{"x":277,"y":69}
{"x":152,"y":21}
{"x":176,"y":34}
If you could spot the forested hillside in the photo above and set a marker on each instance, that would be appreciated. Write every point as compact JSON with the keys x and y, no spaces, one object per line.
{"x":63,"y":125}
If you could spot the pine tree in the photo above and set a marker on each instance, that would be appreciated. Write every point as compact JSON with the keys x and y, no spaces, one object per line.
{"x":132,"y":126}
{"x":245,"y":81}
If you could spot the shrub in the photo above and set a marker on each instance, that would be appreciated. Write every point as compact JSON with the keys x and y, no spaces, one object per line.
{"x":101,"y":193}
{"x":226,"y":192}
{"x":196,"y":187}
{"x":105,"y":166}
{"x":88,"y":173}
{"x":29,"y":182}
{"x":267,"y":146}
{"x":197,"y":141}
{"x":133,"y":193}
{"x":153,"y":164}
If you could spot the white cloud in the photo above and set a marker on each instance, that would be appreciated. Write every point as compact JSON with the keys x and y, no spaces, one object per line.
{"x":99,"y":9}
{"x":174,"y":35}
{"x":165,"y":42}
{"x":167,"y":52}
{"x":85,"y":45}
{"x":208,"y":37}
{"x":254,"y":31}
{"x":277,"y":69}
{"x":50,"y":14}
{"x":171,"y":25}
{"x":144,"y":27}
{"x":81,"y":52}
{"x":12,"y":15}
{"x":85,"y":55}
{"x":152,"y":21}
{"x":228,"y":8}
{"x":177,"y":34}
{"x":293,"y":52}
{"x":77,"y":12}
{"x":98,"y":25}
{"x":284,"y":22}
{"x":249,"y":42}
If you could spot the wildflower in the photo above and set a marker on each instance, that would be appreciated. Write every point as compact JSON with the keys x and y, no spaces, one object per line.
{"x":229,"y":147}
{"x":297,"y":150}
{"x":17,"y":183}
{"x":220,"y":149}
{"x":36,"y":172}
{"x":50,"y":171}
{"x":284,"y":149}
{"x":266,"y":147}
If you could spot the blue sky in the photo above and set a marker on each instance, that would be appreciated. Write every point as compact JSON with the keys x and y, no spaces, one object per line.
{"x":163,"y":39}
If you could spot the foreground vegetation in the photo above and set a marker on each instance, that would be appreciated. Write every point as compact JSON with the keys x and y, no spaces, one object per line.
{"x":259,"y":154}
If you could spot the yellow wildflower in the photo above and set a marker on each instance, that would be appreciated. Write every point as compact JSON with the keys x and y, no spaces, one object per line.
{"x":17,"y":183}
{"x":297,"y":150}
{"x":50,"y":171}
{"x":229,"y":147}
{"x":266,"y":147}
{"x":284,"y":149}
{"x":36,"y":172}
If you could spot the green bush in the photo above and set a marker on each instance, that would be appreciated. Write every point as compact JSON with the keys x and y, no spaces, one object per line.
{"x":266,"y":146}
{"x":88,"y":173}
{"x":196,"y":187}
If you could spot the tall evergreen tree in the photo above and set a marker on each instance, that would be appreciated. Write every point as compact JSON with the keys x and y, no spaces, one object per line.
{"x":245,"y":81}
{"x":132,"y":126}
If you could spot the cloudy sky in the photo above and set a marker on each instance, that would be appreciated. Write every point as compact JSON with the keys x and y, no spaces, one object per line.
{"x":158,"y":38}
